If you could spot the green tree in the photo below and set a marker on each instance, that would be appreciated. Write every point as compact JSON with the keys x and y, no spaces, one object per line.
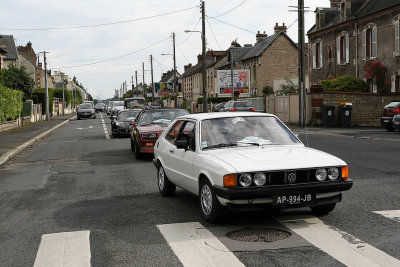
{"x":17,"y":79}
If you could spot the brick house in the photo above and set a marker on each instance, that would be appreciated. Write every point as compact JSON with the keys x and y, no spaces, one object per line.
{"x":352,"y":32}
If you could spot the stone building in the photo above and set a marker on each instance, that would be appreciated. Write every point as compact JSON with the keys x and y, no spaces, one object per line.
{"x":10,"y":54}
{"x":350,"y":33}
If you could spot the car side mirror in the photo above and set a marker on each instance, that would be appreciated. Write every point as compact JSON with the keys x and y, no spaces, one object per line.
{"x":182,"y":144}
{"x":133,"y":122}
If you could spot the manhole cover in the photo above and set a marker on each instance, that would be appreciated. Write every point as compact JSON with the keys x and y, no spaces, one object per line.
{"x":258,"y":235}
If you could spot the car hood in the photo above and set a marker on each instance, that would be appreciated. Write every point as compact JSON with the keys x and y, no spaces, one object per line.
{"x":264,"y":158}
{"x":85,"y":110}
{"x":151,"y":128}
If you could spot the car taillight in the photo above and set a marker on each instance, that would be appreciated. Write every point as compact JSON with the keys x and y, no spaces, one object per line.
{"x":397,"y":110}
{"x":252,"y":109}
{"x":233,"y":109}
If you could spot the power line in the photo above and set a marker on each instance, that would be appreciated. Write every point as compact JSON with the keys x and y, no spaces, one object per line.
{"x":232,"y":25}
{"x":231,"y":9}
{"x":213,"y":35}
{"x":190,"y":34}
{"x":111,"y":59}
{"x":100,"y":24}
{"x":180,"y":50}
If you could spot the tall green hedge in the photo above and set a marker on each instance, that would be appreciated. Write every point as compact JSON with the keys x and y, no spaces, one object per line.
{"x":345,"y":83}
{"x":41,"y":96}
{"x":10,"y":103}
{"x":58,"y":92}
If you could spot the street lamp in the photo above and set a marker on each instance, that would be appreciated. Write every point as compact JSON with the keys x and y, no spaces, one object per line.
{"x":203,"y":67}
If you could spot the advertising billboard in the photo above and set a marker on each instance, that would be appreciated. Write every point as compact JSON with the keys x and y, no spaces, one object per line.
{"x":162,"y":89}
{"x":241,"y":81}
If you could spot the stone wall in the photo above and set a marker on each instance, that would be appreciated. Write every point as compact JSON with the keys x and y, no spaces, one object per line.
{"x":367,"y":107}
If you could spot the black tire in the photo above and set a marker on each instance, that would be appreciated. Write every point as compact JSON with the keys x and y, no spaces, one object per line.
{"x":390,"y":128}
{"x":132,"y":145}
{"x":138,"y":155}
{"x":166,"y":188}
{"x":79,"y":118}
{"x":210,"y":206}
{"x":323,"y":209}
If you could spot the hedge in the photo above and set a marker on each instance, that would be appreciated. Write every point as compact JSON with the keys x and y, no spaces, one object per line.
{"x":10,"y":103}
{"x":41,"y":96}
{"x":58,"y":92}
{"x":345,"y":83}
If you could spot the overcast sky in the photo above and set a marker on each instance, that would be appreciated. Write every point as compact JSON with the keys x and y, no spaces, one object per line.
{"x":124,"y":46}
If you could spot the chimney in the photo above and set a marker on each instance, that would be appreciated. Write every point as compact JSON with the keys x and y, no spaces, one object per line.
{"x":260,"y":36}
{"x":29,"y":45}
{"x":335,"y":3}
{"x":199,"y":58}
{"x":40,"y":65}
{"x":278,"y":28}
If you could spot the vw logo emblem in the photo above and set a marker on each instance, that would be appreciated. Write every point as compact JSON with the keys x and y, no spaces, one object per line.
{"x":291,"y":177}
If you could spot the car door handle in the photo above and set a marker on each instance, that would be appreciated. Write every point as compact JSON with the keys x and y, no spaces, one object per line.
{"x":172,"y":151}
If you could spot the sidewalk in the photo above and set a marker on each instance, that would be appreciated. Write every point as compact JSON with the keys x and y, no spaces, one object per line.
{"x":15,"y":140}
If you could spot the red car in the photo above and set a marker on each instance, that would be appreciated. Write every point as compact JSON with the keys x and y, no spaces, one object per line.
{"x":148,"y":126}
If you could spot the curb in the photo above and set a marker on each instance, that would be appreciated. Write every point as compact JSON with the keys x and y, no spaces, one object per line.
{"x":10,"y":154}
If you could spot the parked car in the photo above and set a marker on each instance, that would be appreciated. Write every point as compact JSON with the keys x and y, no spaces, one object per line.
{"x":85,"y":110}
{"x":396,"y":121}
{"x":239,"y":105}
{"x":218,"y":107}
{"x":246,"y":160}
{"x":100,"y":107}
{"x":149,"y":125}
{"x":117,"y":106}
{"x":120,"y":123}
{"x":387,"y":115}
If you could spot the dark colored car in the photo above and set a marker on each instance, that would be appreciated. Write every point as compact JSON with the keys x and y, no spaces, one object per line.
{"x":388,"y":112}
{"x":149,"y":125}
{"x":100,"y":107}
{"x":239,"y":105}
{"x":85,"y":111}
{"x":121,"y":123}
{"x":218,"y":107}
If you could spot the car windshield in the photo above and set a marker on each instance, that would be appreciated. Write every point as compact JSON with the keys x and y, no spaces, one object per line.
{"x":244,"y":104}
{"x":161,"y":116}
{"x":118,"y":103}
{"x":244,"y":131}
{"x":127,"y":115}
{"x":85,"y":106}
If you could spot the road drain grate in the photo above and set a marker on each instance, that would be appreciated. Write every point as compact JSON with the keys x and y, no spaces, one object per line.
{"x":258,"y":235}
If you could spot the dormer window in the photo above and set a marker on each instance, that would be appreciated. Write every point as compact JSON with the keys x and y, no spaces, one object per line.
{"x":369,"y":42}
{"x":342,"y":48}
{"x":317,"y":54}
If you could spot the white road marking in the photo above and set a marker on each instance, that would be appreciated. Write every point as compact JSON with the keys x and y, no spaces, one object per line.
{"x":342,"y":246}
{"x":392,"y":214}
{"x":196,"y":246}
{"x":64,"y":249}
{"x":104,"y":127}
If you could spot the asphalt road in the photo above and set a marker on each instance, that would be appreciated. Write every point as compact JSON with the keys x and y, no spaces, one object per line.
{"x":78,"y":180}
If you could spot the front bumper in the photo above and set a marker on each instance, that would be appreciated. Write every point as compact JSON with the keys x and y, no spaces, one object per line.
{"x":147,"y":146}
{"x":326,"y":193}
{"x":122,"y":131}
{"x":85,"y":115}
{"x":387,"y":121}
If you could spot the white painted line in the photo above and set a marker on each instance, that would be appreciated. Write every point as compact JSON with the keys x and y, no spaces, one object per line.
{"x":340,"y":245}
{"x":66,"y":249}
{"x":392,"y":214}
{"x":196,"y":246}
{"x":104,"y":127}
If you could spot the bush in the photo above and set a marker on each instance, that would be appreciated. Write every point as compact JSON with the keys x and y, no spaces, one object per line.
{"x":40,"y":93}
{"x":17,"y":79}
{"x":345,"y":83}
{"x":10,"y":103}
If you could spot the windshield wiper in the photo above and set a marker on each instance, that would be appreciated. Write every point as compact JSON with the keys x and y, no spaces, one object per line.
{"x":221,"y":145}
{"x":249,"y":143}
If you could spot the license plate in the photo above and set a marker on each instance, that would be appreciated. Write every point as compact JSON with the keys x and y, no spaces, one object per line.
{"x":293,"y":199}
{"x":385,"y":120}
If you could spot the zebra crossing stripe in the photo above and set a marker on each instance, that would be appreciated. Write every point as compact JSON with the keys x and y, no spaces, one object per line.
{"x":64,"y":249}
{"x":340,"y":245}
{"x":391,"y":214}
{"x":195,"y":246}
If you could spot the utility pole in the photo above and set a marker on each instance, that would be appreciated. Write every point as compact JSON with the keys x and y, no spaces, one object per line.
{"x":132,"y":85}
{"x":143,"y":76}
{"x":136,"y":83}
{"x":302,"y":91}
{"x":174,"y":84}
{"x":62,"y":78}
{"x":203,"y":37}
{"x":152,"y":78}
{"x":73,"y":98}
{"x":233,"y":86}
{"x":47,"y":88}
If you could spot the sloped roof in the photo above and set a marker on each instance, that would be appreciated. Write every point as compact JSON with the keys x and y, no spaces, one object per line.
{"x":196,"y":68}
{"x":7,"y":42}
{"x":169,"y":75}
{"x":371,"y":6}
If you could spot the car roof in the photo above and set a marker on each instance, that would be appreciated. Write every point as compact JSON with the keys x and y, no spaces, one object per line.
{"x":214,"y":115}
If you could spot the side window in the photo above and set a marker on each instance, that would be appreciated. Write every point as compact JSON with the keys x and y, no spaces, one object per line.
{"x":188,"y":133}
{"x":174,"y":131}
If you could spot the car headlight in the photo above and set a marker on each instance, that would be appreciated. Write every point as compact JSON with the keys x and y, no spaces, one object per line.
{"x":260,"y":179}
{"x":245,"y":179}
{"x":117,"y":123}
{"x":149,"y":136}
{"x":320,"y":174}
{"x":333,"y":173}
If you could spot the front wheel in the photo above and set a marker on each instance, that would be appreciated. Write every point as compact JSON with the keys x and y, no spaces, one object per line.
{"x":132,"y":145}
{"x":323,"y":209}
{"x":166,"y":188}
{"x":138,"y":155}
{"x":390,"y":128}
{"x":210,"y":206}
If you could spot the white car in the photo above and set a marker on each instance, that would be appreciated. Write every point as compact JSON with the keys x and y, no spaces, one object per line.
{"x":246,"y":160}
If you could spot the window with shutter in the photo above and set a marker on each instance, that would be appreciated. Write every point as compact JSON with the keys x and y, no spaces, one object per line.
{"x":364,"y":45}
{"x":374,"y":47}
{"x":320,"y":55}
{"x":313,"y":56}
{"x":347,"y":39}
{"x":397,"y":38}
{"x":338,"y":50}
